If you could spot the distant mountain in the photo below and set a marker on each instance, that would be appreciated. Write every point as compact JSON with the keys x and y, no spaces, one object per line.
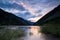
{"x":11,"y":19}
{"x":52,"y":15}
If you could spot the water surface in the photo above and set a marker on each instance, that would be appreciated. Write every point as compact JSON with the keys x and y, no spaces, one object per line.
{"x":34,"y":33}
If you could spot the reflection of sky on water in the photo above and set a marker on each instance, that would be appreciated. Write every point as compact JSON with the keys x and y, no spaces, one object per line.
{"x":35,"y":34}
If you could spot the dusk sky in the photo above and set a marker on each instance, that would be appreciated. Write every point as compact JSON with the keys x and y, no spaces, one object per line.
{"x":31,"y":10}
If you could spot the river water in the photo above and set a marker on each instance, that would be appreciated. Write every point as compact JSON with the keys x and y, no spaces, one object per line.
{"x":34,"y":33}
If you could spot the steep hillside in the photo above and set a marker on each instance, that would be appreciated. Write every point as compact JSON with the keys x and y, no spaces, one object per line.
{"x":10,"y":19}
{"x":55,"y":13}
{"x":51,"y":22}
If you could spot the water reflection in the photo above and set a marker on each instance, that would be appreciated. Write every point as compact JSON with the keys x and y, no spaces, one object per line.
{"x":34,"y":30}
{"x":33,"y":33}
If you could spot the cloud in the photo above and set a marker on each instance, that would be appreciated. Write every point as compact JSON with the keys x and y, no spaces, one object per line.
{"x":10,"y":4}
{"x":24,"y":14}
{"x":44,"y":12}
{"x":27,"y":7}
{"x":35,"y":7}
{"x":15,"y":11}
{"x":34,"y":19}
{"x":31,"y":10}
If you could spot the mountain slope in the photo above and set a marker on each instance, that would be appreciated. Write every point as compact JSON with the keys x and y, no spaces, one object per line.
{"x":10,"y":19}
{"x":50,"y":23}
{"x":55,"y":13}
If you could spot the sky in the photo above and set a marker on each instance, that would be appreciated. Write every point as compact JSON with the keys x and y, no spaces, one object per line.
{"x":31,"y":10}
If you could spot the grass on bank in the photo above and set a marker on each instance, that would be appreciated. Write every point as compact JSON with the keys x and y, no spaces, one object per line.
{"x":52,"y":27}
{"x":8,"y":34}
